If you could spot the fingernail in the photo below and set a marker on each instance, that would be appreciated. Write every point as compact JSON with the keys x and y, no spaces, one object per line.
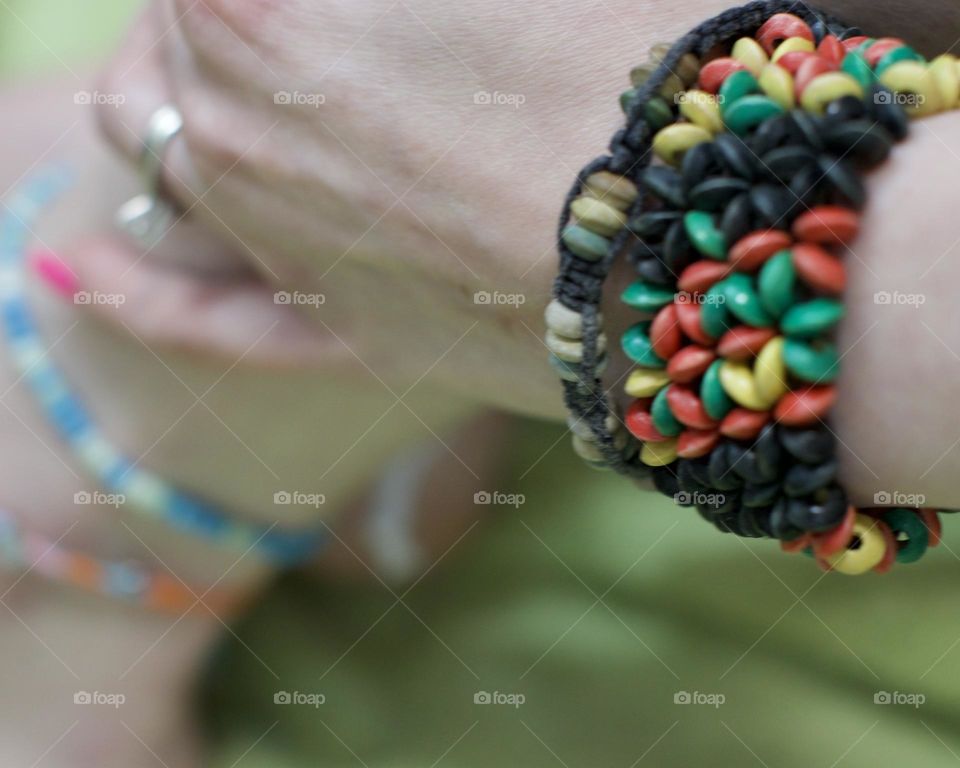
{"x":54,"y":272}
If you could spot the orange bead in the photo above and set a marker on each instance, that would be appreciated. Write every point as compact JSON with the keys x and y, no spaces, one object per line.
{"x":688,"y":316}
{"x":804,"y":407}
{"x":794,"y":60}
{"x":932,"y":520}
{"x":798,"y":544}
{"x":665,"y":334}
{"x":832,"y":542}
{"x":713,"y":74}
{"x":690,"y":363}
{"x":832,"y":49}
{"x":854,"y":42}
{"x":639,"y":423}
{"x":810,"y":69}
{"x":699,"y":276}
{"x":686,"y":406}
{"x":780,"y":27}
{"x":694,"y":443}
{"x":818,"y":269}
{"x":881,"y":48}
{"x":743,"y":424}
{"x":827,"y":225}
{"x":751,"y":251}
{"x":744,"y":342}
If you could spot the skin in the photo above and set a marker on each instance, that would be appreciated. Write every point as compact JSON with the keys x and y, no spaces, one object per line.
{"x":304,"y":198}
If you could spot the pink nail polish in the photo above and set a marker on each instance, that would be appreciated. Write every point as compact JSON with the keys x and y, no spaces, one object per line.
{"x":54,"y":272}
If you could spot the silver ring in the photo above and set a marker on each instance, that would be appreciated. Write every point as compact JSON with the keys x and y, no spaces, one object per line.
{"x":148,"y":216}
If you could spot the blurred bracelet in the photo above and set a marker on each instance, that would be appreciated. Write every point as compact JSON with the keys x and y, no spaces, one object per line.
{"x":761,"y":121}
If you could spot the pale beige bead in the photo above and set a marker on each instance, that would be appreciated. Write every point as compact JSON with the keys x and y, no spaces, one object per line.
{"x":586,"y":450}
{"x":581,"y":428}
{"x":597,"y":216}
{"x":659,"y":51}
{"x":671,"y":87}
{"x":616,"y":190}
{"x":688,"y":69}
{"x":563,"y":321}
{"x":639,"y":75}
{"x":571,"y":350}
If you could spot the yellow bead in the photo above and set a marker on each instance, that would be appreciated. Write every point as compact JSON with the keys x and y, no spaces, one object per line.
{"x":659,"y":454}
{"x":738,"y":382}
{"x":672,"y":142}
{"x":751,"y":54}
{"x":792,"y":45}
{"x":872,"y":547}
{"x":777,"y":83}
{"x":945,"y":74}
{"x":597,"y":216}
{"x":701,"y":108}
{"x":612,"y":188}
{"x":770,"y":374}
{"x":827,"y":88}
{"x":914,"y":77}
{"x":646,"y":382}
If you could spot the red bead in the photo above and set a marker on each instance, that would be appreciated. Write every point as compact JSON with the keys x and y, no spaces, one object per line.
{"x":834,"y":541}
{"x":932,"y":520}
{"x":794,"y":60}
{"x":890,"y":553}
{"x":743,"y":424}
{"x":818,"y":269}
{"x":804,"y":407}
{"x":832,"y":49}
{"x":665,"y":334}
{"x":751,"y":251}
{"x":699,"y":276}
{"x":686,"y":406}
{"x":688,"y":316}
{"x":713,"y":74}
{"x":854,"y":42}
{"x":780,"y":27}
{"x":881,"y":48}
{"x":690,"y":363}
{"x":808,"y":70}
{"x":694,"y":443}
{"x":743,"y":342}
{"x":639,"y":422}
{"x":827,"y":225}
{"x":798,"y":544}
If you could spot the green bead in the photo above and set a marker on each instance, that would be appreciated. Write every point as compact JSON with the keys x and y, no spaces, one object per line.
{"x":658,"y":113}
{"x":903,"y":53}
{"x":749,"y":112}
{"x":735,"y":87}
{"x":714,"y":315}
{"x":812,"y":318}
{"x":626,"y":98}
{"x":585,"y":244}
{"x":646,"y":297}
{"x":856,"y":66}
{"x":743,"y":301}
{"x":776,"y":283}
{"x":716,"y":402}
{"x":663,"y":419}
{"x":915,"y":539}
{"x":813,"y":364}
{"x":636,"y":345}
{"x":705,"y":235}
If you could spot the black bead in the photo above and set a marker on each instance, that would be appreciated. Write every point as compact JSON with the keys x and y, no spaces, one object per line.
{"x":735,"y":155}
{"x":737,"y":219}
{"x":847,"y":186}
{"x":653,"y":224}
{"x":771,"y":134}
{"x":845,"y":108}
{"x":665,"y":481}
{"x":665,"y":183}
{"x":785,"y":162}
{"x":651,"y":270}
{"x":863,"y":141}
{"x":779,"y":523}
{"x":749,"y":526}
{"x":714,"y":194}
{"x":811,"y":446}
{"x":807,"y":128}
{"x":885,"y":110}
{"x":806,"y":185}
{"x":677,"y":250}
{"x":699,"y":470}
{"x":698,"y":164}
{"x":772,"y":204}
{"x":722,"y":478}
{"x":821,"y":512}
{"x":760,"y":495}
{"x":804,"y":479}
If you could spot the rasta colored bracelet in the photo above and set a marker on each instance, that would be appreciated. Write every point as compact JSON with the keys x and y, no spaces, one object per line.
{"x":144,"y":491}
{"x":761,"y":122}
{"x":31,"y":552}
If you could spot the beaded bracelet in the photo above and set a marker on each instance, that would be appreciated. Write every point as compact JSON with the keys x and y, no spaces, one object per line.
{"x":762,"y":119}
{"x":157,"y":591}
{"x":144,"y":491}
